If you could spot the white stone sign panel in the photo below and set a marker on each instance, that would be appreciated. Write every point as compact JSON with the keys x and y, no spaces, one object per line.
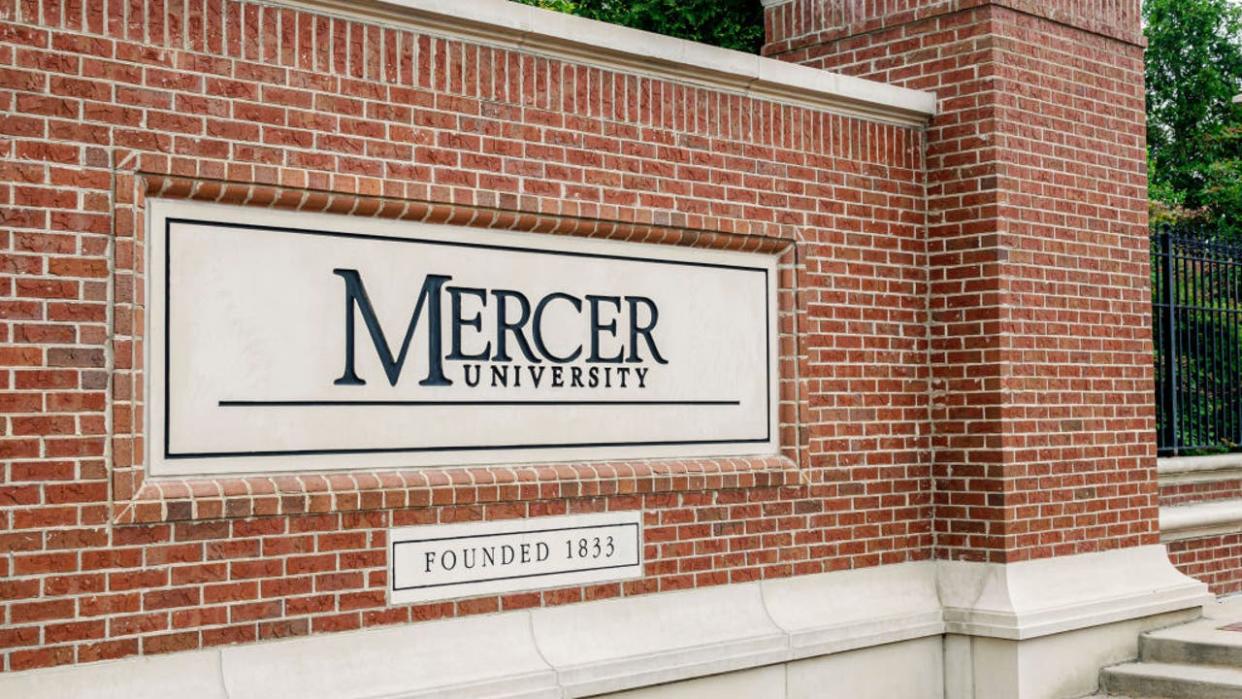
{"x":444,"y":561}
{"x":285,"y":341}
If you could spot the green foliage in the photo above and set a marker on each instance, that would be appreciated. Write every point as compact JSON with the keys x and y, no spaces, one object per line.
{"x":558,"y":5}
{"x":1222,"y":190}
{"x":733,"y":24}
{"x":1166,"y":205}
{"x":1194,"y":68}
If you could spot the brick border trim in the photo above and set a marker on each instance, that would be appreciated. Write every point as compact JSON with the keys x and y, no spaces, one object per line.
{"x":137,"y":499}
{"x":791,"y":25}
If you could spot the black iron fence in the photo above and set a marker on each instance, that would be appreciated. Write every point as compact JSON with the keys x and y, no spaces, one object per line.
{"x":1197,"y":324}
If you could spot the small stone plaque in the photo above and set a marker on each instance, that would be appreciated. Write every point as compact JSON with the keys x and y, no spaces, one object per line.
{"x":460,"y":560}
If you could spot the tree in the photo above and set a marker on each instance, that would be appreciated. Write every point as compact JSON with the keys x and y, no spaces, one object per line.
{"x":1194,"y":68}
{"x":733,"y":24}
{"x":1222,"y":191}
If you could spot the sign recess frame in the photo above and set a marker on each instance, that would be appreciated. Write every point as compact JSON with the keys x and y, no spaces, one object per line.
{"x":284,"y":341}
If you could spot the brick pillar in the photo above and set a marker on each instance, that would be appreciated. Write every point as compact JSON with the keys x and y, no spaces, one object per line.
{"x":1039,"y":314}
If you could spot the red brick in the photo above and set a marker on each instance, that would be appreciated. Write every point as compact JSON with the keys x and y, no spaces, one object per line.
{"x":27,"y":612}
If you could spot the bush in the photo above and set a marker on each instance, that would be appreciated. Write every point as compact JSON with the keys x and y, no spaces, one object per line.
{"x":732,"y":24}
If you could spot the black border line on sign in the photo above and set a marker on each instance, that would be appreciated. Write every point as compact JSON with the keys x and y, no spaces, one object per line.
{"x":170,"y":455}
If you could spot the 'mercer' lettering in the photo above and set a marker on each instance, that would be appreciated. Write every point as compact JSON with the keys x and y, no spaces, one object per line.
{"x":614,"y":329}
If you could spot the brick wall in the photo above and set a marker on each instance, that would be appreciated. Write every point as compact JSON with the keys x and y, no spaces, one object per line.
{"x":1176,"y":493}
{"x":104,"y":104}
{"x":1038,"y":259}
{"x":1212,"y":559}
{"x":1216,"y":559}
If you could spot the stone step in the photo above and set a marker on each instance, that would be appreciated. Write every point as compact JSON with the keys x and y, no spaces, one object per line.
{"x":1192,"y":647}
{"x":1205,"y":642}
{"x":1172,"y":681}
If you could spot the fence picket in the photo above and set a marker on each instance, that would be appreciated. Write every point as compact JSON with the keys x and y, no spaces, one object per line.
{"x":1197,"y":332}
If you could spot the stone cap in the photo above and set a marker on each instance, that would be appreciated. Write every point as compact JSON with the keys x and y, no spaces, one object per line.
{"x":556,"y":34}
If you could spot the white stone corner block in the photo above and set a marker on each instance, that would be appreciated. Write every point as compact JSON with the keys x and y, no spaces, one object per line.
{"x":1036,"y":598}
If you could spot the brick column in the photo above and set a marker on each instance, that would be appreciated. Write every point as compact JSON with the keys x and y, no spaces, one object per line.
{"x":1042,"y":392}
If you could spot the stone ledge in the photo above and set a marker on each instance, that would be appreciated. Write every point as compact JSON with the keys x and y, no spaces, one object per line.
{"x":498,"y":22}
{"x":1199,"y":520}
{"x":1199,"y":469}
{"x":614,"y":645}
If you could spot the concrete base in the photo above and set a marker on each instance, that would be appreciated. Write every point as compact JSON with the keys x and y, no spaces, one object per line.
{"x":1032,"y":630}
{"x":1060,"y":666}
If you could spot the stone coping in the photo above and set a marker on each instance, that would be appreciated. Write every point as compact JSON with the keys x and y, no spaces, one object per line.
{"x":1197,"y":520}
{"x":544,"y":32}
{"x":1199,"y":468}
{"x":1200,"y":519}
